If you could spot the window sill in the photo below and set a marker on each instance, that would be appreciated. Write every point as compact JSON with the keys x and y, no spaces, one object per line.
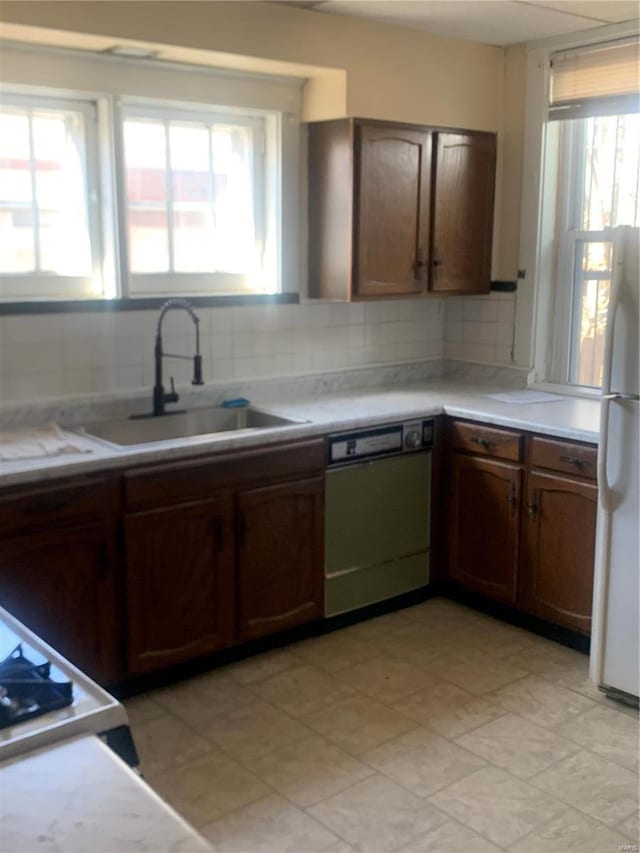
{"x":145,"y":303}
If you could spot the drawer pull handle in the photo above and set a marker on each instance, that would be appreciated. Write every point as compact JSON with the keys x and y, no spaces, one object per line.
{"x":40,"y":507}
{"x":483,"y":442}
{"x":513,"y":498}
{"x":532,"y":506}
{"x":575,"y":460}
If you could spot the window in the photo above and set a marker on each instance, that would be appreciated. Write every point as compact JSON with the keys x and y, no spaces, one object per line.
{"x":109,"y":197}
{"x":194,"y":203}
{"x":593,"y":170}
{"x":49,"y":230}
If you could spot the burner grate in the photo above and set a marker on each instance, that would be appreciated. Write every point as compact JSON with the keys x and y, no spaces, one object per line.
{"x":27,"y":689}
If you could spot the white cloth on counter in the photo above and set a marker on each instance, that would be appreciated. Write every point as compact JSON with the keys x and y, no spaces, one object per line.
{"x":37,"y":443}
{"x":524,"y":398}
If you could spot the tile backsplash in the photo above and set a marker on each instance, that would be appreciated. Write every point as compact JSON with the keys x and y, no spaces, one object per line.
{"x":55,"y":355}
{"x":480,"y":329}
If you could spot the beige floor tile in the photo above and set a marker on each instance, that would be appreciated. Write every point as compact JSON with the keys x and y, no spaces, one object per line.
{"x":607,"y":732}
{"x":593,"y":785}
{"x":302,"y":690}
{"x":556,"y":663}
{"x":497,"y":805}
{"x":253,"y":730}
{"x":271,"y":825}
{"x":572,"y":832}
{"x":377,"y":816}
{"x":517,"y":745}
{"x":166,"y":743}
{"x":259,"y":667}
{"x":339,"y":847}
{"x":630,"y":827}
{"x":377,"y":630}
{"x":448,"y":709}
{"x":423,"y":645}
{"x":308,"y":770}
{"x":199,"y":700}
{"x":422,"y":761}
{"x":386,"y":679}
{"x":359,"y":724}
{"x":209,"y":788}
{"x":142,"y":709}
{"x":442,"y":613}
{"x":498,"y":639}
{"x":477,"y":672}
{"x":450,"y":837}
{"x":541,"y":701}
{"x":336,"y":651}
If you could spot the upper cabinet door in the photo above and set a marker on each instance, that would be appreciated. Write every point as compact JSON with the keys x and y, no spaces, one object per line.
{"x":392,"y":211}
{"x":464,"y":169}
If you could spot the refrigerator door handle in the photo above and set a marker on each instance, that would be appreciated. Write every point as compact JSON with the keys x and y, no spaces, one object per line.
{"x":618,"y":396}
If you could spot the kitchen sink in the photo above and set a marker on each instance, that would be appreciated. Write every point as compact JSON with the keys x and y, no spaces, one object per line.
{"x":206,"y":421}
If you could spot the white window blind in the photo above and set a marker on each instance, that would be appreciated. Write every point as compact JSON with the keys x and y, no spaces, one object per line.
{"x":602,"y":79}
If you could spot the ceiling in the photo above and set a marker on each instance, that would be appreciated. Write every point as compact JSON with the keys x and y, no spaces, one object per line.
{"x":496,"y":22}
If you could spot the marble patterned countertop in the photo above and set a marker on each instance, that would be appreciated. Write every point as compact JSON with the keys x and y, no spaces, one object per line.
{"x":79,"y":796}
{"x":329,"y":411}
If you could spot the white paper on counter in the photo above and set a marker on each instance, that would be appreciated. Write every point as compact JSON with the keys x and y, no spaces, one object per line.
{"x":524,"y":397}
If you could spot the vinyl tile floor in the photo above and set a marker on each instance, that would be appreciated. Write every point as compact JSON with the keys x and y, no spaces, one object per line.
{"x":434,"y":729}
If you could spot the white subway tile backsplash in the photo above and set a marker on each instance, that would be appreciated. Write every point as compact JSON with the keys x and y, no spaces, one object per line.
{"x":53,"y":355}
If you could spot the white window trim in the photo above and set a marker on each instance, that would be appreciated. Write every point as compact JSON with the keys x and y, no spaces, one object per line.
{"x":534,"y":307}
{"x":46,"y":285}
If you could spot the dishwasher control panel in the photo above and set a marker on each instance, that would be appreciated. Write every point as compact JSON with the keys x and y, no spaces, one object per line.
{"x":387,"y":440}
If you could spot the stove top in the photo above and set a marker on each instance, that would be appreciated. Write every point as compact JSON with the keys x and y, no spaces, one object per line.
{"x":27,"y":689}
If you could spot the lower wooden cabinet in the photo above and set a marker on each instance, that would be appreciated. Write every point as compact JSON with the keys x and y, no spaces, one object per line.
{"x":180,"y":582}
{"x":280,"y":557}
{"x":61,"y":584}
{"x":483,"y":525}
{"x":556,"y":574}
{"x":530,"y":547}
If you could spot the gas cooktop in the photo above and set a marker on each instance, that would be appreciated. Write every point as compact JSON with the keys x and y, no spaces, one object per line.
{"x":27,"y":689}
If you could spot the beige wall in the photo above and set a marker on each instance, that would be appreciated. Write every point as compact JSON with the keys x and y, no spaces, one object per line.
{"x":391,"y":72}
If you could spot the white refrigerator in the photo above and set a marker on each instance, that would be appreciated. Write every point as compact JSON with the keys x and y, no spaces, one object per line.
{"x":615,"y":663}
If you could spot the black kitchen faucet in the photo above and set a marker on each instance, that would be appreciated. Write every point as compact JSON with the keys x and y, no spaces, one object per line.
{"x":160,"y":397}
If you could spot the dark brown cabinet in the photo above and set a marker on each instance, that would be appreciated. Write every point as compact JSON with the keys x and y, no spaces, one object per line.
{"x":464,"y":186}
{"x":59,"y":572}
{"x":220,"y":550}
{"x":483,"y":525}
{"x":398,"y":210}
{"x":180,"y":582}
{"x":556,"y":576}
{"x":531,"y":547}
{"x":280,"y":557}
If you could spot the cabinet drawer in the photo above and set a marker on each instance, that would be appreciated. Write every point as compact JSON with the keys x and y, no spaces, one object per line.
{"x":487,"y":441}
{"x":55,"y":505}
{"x":198,"y":478}
{"x":563,"y":456}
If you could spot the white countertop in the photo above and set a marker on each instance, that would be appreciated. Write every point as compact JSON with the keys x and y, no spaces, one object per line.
{"x":569,"y":417}
{"x":79,"y":796}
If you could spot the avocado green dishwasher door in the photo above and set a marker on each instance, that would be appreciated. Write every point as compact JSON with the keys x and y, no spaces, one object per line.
{"x":377,"y":530}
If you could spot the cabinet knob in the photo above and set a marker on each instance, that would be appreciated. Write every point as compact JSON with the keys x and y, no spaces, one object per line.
{"x":532,"y":506}
{"x":576,"y":461}
{"x":483,"y":442}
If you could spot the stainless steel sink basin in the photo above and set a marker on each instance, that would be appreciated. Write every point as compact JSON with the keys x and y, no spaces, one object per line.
{"x":208,"y":421}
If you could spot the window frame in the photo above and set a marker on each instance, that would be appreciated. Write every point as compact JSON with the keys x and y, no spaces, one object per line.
{"x":535,"y":340}
{"x":34,"y":285}
{"x":141,"y":285}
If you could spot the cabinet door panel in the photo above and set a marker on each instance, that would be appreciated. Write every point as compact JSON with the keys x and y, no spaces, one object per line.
{"x":464,"y":181}
{"x":180,"y":592}
{"x":483,"y":526}
{"x":280,"y":557}
{"x":61,"y":584}
{"x":557,"y":573}
{"x":393,"y":211}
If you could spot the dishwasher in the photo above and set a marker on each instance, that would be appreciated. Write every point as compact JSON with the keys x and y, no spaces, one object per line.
{"x":377,"y":532}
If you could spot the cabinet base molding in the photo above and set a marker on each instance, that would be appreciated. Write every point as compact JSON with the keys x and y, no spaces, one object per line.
{"x":141,"y":684}
{"x":564,"y":636}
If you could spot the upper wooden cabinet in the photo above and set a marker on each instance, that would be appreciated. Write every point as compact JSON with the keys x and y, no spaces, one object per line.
{"x":398,"y":210}
{"x":464,"y":171}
